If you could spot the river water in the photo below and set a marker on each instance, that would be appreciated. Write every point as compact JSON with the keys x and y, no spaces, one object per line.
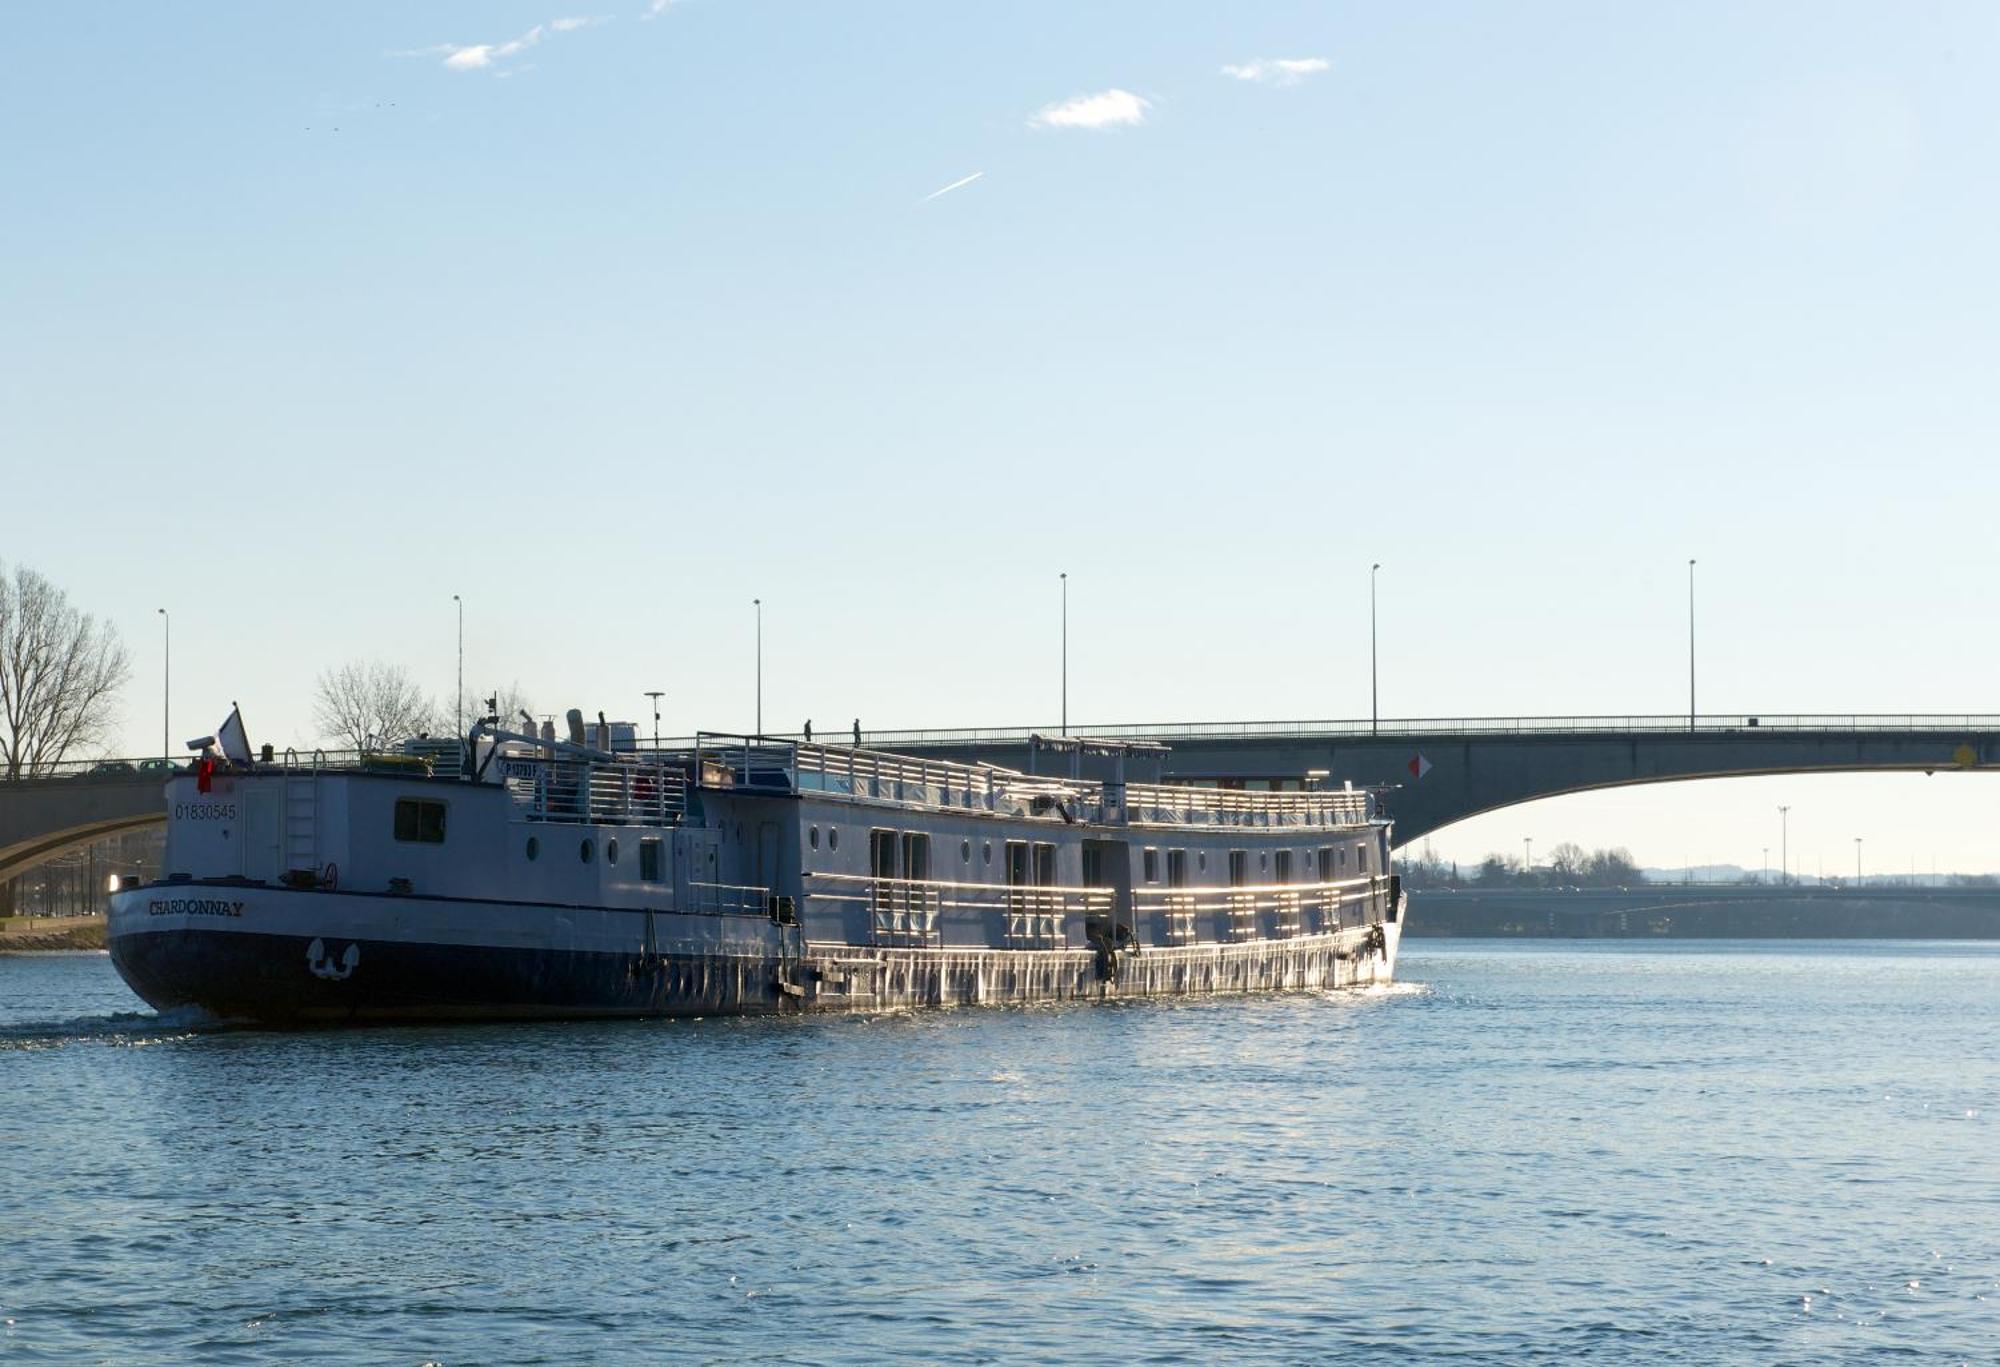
{"x":1688,"y":1152}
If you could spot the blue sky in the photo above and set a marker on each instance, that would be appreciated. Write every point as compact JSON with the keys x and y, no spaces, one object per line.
{"x":312,"y":319}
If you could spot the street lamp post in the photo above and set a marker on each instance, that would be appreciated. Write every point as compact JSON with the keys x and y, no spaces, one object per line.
{"x":167,"y":685}
{"x":1765,"y":876}
{"x":460,"y":712}
{"x":1527,"y":855}
{"x":1857,"y":861}
{"x":1374,"y":675}
{"x":758,"y":604}
{"x":1784,"y":846}
{"x":1064,"y":576}
{"x":656,"y":694}
{"x":1690,"y":645}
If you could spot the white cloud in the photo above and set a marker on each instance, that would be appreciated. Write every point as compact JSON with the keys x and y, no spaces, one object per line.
{"x":1280,"y":71}
{"x":485,"y":56}
{"x":1106,"y":109}
{"x":959,"y":184}
{"x":656,"y":8}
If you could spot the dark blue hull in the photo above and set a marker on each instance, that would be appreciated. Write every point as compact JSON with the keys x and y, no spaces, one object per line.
{"x":268,"y":979}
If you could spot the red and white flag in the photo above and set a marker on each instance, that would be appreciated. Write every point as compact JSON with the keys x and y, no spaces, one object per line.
{"x":1419,"y":766}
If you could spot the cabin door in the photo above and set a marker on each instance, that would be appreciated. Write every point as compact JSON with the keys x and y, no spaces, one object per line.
{"x":767,"y":858}
{"x":1107,"y":866}
{"x":260,"y":852}
{"x":696,"y":871}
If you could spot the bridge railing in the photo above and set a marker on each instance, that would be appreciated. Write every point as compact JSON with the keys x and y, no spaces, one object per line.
{"x":1732,"y":723}
{"x":1946,"y":723}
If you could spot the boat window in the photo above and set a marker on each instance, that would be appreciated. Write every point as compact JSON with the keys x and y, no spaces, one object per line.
{"x":1263,"y":859}
{"x":1326,"y":864}
{"x":583,"y":851}
{"x":965,"y":851}
{"x":1150,"y":865}
{"x":649,"y":861}
{"x":833,"y":837}
{"x":1284,"y":866}
{"x":916,"y":854}
{"x":986,"y":851}
{"x":812,"y":837}
{"x":1017,"y":863}
{"x":534,"y":849}
{"x":1239,"y":868}
{"x":1093,"y":866}
{"x":1361,"y":858}
{"x":611,"y":850}
{"x":419,"y":821}
{"x":1201,"y":860}
{"x":1176,"y":868}
{"x":882,"y":853}
{"x":1045,"y":865}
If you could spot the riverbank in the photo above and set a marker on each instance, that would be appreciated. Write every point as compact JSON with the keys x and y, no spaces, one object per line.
{"x":44,"y":934}
{"x":1717,"y":912}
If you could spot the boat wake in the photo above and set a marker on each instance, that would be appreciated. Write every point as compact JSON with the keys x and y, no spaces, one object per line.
{"x":117,"y":1027}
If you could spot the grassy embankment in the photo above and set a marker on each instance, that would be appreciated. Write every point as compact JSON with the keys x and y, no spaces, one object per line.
{"x":39,"y":934}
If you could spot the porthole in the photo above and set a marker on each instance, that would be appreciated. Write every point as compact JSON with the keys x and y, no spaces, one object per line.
{"x":534,"y":849}
{"x":812,"y":837}
{"x":833,"y":837}
{"x":1263,"y":861}
{"x":1201,"y":860}
{"x":583,"y":851}
{"x":986,"y":852}
{"x":965,"y":851}
{"x":611,"y":850}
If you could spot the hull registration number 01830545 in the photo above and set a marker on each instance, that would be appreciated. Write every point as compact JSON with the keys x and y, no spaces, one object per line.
{"x":204,"y":811}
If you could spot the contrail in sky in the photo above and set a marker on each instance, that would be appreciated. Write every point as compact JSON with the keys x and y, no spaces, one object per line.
{"x":955,"y":185}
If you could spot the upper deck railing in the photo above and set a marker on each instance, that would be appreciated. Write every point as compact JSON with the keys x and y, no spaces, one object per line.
{"x":762,"y":764}
{"x":620,"y":793}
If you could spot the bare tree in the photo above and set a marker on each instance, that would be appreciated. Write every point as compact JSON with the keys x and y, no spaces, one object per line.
{"x":1567,"y":862}
{"x":59,"y":670}
{"x":364,"y":706}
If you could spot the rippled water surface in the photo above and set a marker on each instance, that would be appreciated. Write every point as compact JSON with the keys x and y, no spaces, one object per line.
{"x":1531,"y":1153}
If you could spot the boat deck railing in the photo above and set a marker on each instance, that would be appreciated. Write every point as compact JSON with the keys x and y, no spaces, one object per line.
{"x":647,"y":792}
{"x":761,"y":764}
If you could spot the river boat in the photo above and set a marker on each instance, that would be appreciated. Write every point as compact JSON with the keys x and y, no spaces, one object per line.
{"x":595,"y":876}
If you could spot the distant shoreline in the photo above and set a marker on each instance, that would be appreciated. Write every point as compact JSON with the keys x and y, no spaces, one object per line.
{"x":1723,"y":912}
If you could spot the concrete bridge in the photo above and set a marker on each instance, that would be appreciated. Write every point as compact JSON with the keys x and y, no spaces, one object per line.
{"x":1437,"y":771}
{"x":1442,"y":771}
{"x":41,"y":818}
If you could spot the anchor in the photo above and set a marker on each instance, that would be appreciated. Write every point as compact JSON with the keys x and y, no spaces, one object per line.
{"x":323,"y":965}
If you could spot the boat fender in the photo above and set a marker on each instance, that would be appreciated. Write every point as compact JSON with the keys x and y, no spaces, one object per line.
{"x":329,"y":877}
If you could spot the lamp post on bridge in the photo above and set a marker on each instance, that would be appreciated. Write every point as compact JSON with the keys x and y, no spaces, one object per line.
{"x":1765,"y":877}
{"x":758,"y":604}
{"x":1527,"y":856}
{"x":1691,"y":713}
{"x":458,"y":713}
{"x":1374,"y":675}
{"x":1064,"y":576}
{"x":166,"y":685}
{"x":1857,"y":861}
